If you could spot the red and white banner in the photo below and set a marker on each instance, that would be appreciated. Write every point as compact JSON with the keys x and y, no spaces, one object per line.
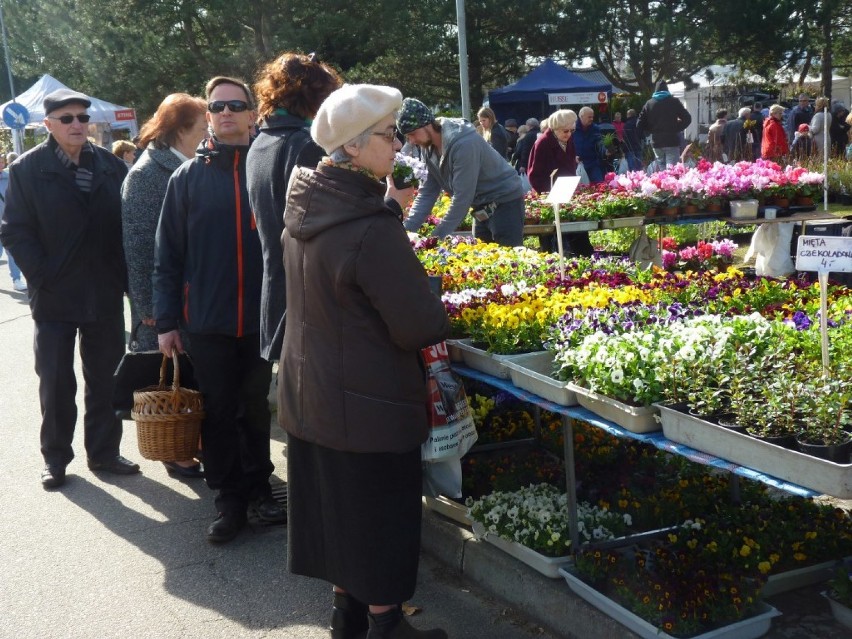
{"x":125,"y":114}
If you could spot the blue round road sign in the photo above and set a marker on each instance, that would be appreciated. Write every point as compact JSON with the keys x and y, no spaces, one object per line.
{"x":16,"y":115}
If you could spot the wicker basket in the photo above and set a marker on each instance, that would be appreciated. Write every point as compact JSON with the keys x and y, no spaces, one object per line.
{"x":168,"y":421}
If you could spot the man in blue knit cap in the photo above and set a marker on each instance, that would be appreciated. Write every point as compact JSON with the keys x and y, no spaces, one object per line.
{"x":464,"y":165}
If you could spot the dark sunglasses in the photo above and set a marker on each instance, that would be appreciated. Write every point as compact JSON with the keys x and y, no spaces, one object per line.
{"x":68,"y":119}
{"x":235,"y":106}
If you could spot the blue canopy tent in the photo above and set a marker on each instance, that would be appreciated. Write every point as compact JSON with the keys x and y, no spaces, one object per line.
{"x":529,"y":96}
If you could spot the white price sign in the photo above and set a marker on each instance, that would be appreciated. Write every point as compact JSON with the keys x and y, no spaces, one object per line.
{"x":577,"y":97}
{"x":824,"y":254}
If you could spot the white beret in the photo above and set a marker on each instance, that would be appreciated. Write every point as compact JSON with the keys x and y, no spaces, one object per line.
{"x":351,"y":110}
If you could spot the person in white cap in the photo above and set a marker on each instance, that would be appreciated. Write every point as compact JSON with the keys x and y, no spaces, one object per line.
{"x":351,"y":388}
{"x":63,"y":225}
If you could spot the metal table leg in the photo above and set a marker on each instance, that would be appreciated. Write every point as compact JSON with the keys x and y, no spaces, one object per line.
{"x":570,"y":480}
{"x":734,"y":488}
{"x":537,"y":419}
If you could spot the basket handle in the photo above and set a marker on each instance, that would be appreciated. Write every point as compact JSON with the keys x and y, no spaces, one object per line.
{"x":163,"y":367}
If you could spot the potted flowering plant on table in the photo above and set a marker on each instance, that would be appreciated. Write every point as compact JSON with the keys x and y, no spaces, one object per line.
{"x":810,"y":186}
{"x":408,"y":172}
{"x":536,"y":518}
{"x":699,"y":578}
{"x":717,"y":255}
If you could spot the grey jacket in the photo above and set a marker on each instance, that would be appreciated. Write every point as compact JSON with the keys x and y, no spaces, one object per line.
{"x":142,"y":196}
{"x":470,"y":170}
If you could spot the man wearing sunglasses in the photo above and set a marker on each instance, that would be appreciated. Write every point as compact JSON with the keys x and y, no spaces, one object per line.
{"x":63,"y":225}
{"x":207,"y":279}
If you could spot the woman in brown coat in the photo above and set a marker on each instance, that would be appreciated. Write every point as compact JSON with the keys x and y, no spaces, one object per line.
{"x":352,"y":387}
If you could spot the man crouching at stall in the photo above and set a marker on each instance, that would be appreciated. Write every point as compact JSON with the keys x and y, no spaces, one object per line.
{"x":467,"y":167}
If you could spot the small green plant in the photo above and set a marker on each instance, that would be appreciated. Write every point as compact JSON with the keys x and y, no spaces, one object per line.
{"x":840,"y":586}
{"x":828,"y":412}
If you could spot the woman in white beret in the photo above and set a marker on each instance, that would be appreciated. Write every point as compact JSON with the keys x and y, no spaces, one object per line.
{"x":351,"y":384}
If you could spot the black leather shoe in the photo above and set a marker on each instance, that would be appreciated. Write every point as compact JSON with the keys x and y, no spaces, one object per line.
{"x":118,"y":465}
{"x":186,"y":472}
{"x":225,"y":527}
{"x":348,"y":618}
{"x":52,"y":477}
{"x":268,"y":510}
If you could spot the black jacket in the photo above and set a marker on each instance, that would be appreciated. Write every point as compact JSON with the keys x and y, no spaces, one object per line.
{"x":662,"y":118}
{"x":499,"y":139}
{"x":284,"y":142}
{"x":208,"y":266}
{"x":67,"y":242}
{"x":631,"y":136}
{"x":524,"y":147}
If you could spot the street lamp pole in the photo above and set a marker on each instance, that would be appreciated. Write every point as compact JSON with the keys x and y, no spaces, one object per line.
{"x":16,"y":134}
{"x":6,"y":52}
{"x":465,"y":85}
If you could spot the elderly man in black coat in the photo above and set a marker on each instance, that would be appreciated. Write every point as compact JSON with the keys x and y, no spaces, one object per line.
{"x":63,"y":225}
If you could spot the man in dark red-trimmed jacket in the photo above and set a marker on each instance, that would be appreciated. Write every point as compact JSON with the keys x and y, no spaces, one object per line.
{"x":207,"y":279}
{"x":62,"y":223}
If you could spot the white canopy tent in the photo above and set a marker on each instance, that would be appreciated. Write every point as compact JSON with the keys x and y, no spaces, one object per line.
{"x":841,"y":88}
{"x":708,"y":94}
{"x":104,"y":113}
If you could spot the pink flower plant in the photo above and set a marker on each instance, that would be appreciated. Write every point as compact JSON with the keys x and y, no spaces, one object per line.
{"x":713,"y":182}
{"x":703,"y":256}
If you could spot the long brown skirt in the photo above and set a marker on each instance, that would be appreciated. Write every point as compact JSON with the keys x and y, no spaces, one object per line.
{"x":354,"y":519}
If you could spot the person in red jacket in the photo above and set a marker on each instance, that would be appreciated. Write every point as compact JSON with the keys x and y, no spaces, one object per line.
{"x":774,"y":143}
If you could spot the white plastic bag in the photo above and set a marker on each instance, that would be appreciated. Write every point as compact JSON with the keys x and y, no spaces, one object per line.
{"x":644,"y":251}
{"x":442,"y":478}
{"x":770,"y":246}
{"x":623,"y":167}
{"x":581,"y":173}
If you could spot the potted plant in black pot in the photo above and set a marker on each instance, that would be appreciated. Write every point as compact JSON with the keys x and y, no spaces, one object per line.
{"x":776,"y":418}
{"x":827,"y":418}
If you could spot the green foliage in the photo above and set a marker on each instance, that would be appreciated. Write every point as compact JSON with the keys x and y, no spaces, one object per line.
{"x":137,"y":51}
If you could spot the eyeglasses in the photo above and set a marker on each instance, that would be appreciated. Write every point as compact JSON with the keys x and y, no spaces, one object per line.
{"x":566,"y":130}
{"x":68,"y":119}
{"x":235,"y":106}
{"x":389,"y":135}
